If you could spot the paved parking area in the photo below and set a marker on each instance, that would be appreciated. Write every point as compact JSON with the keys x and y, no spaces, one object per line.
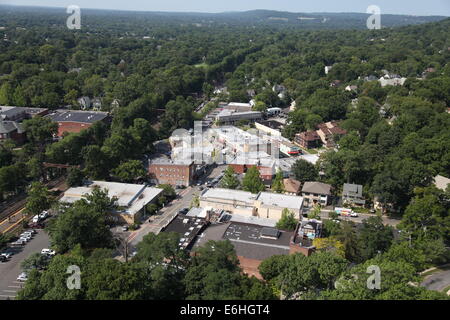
{"x":10,"y":270}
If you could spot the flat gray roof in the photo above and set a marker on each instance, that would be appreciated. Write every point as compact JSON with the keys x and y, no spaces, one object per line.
{"x":280,"y":200}
{"x":228,"y":194}
{"x":77,"y":116}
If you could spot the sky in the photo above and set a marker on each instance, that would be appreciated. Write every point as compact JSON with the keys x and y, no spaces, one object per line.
{"x":411,"y":7}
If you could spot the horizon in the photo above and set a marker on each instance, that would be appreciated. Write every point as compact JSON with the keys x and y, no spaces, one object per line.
{"x":118,"y":6}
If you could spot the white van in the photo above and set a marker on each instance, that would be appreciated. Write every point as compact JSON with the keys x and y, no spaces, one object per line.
{"x":35,"y":219}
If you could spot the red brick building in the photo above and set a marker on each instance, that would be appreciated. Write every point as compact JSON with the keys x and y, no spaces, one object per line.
{"x":167,"y":171}
{"x":308,"y":140}
{"x":76,"y":120}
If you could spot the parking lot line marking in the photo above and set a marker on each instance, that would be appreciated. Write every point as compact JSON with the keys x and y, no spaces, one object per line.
{"x":14,"y":287}
{"x":10,"y":291}
{"x":1,"y":295}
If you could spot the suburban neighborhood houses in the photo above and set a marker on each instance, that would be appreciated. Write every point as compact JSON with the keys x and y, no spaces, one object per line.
{"x":199,"y":157}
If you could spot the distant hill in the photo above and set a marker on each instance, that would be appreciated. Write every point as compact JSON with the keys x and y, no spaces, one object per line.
{"x":18,"y":15}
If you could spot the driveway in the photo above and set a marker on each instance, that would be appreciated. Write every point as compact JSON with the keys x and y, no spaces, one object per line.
{"x":437,"y":281}
{"x":9,"y":270}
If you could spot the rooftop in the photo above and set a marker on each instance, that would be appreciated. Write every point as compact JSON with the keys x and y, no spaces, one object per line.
{"x":77,"y":116}
{"x":317,"y":188}
{"x":10,"y":126}
{"x":441,"y":182}
{"x":188,"y":227}
{"x":352,"y":189}
{"x":168,"y":161}
{"x":228,"y":194}
{"x":131,"y":196}
{"x":280,"y":200}
{"x":272,"y":124}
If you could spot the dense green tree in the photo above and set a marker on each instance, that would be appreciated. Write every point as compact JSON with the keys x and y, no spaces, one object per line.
{"x":252,"y":181}
{"x":39,"y":198}
{"x":304,"y":171}
{"x":229,"y":180}
{"x":129,"y":171}
{"x":287,"y":221}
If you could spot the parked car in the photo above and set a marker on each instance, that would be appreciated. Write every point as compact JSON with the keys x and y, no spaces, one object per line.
{"x":27,"y":236}
{"x":22,"y":277}
{"x":35,"y":219}
{"x":124,"y":228}
{"x":27,"y":233}
{"x":3,"y":259}
{"x":48,"y":252}
{"x":18,"y":243}
{"x":184,"y":211}
{"x":7,"y":255}
{"x":43,"y":215}
{"x":354,"y":215}
{"x":36,"y":225}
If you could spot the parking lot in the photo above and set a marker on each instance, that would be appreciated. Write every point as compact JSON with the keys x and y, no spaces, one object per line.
{"x":10,"y":270}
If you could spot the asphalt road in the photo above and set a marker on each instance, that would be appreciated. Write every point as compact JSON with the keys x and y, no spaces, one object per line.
{"x":157,"y":222}
{"x":361,"y":217}
{"x":437,"y":281}
{"x":9,"y":270}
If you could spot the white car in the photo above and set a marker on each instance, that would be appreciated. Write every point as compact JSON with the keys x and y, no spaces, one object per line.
{"x":24,"y":239}
{"x":354,"y":215}
{"x":48,"y":252}
{"x":35,"y":219}
{"x":22,"y":277}
{"x":7,"y":255}
{"x":43,"y":215}
{"x":26,"y":236}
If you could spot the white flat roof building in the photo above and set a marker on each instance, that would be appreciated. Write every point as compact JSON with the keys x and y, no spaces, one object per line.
{"x":280,"y":200}
{"x":132,"y":198}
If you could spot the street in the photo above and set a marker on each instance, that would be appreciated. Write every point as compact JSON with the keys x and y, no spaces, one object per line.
{"x":437,"y":281}
{"x":361,"y":216}
{"x":11,"y":269}
{"x":157,"y":222}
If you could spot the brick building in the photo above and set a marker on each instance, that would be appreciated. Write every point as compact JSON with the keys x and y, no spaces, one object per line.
{"x":308,"y":139}
{"x":175,"y":173}
{"x":76,"y":120}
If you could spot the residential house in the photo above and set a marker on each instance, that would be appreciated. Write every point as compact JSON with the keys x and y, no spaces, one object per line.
{"x":12,"y":130}
{"x":316,"y":193}
{"x":308,"y":139}
{"x":292,"y":187}
{"x":353,"y":194}
{"x":327,"y":132}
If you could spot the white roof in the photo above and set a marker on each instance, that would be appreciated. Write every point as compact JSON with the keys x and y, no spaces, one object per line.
{"x":131,"y":196}
{"x":228,"y":194}
{"x":280,"y":200}
{"x":253,"y":220}
{"x":441,"y":182}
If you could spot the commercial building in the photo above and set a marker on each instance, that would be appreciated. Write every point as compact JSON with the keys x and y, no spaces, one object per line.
{"x":131,"y":198}
{"x":75,"y":120}
{"x":316,"y":193}
{"x":263,"y":205}
{"x":270,"y":127}
{"x":232,"y":117}
{"x":173,"y":172}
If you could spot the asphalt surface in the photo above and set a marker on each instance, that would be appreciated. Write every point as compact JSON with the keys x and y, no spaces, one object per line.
{"x":156,"y":223}
{"x":10,"y":270}
{"x":362,"y":216}
{"x":437,"y":281}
